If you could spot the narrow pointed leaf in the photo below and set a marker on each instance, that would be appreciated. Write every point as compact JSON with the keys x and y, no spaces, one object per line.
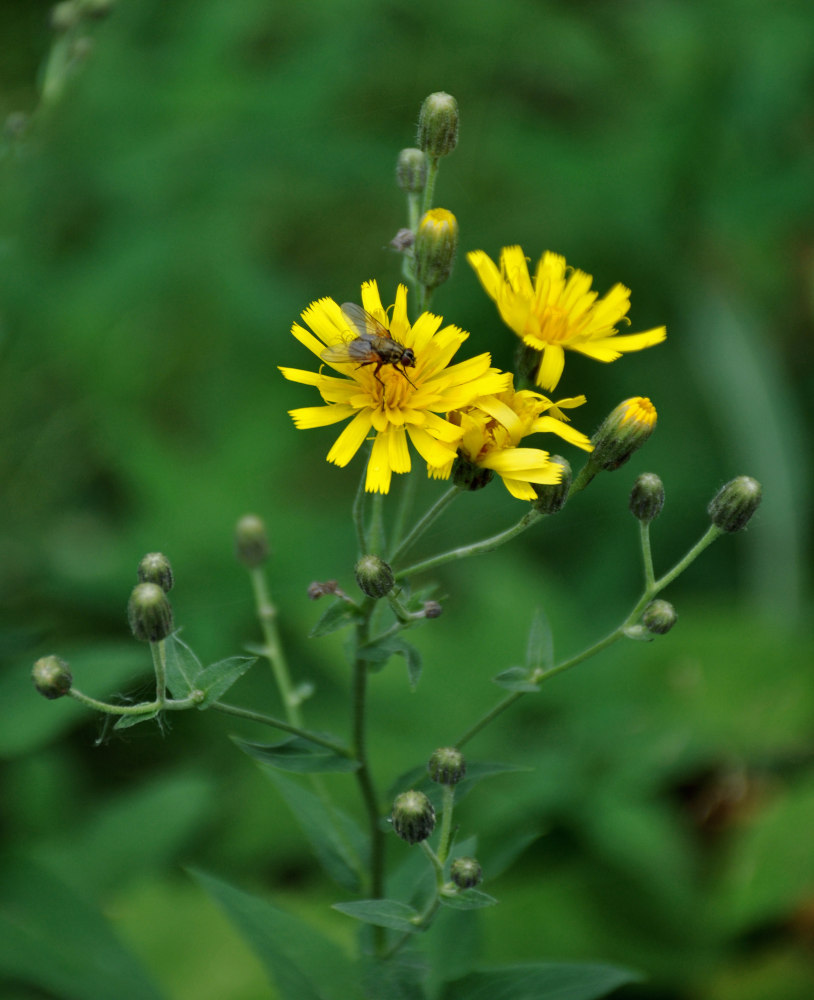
{"x":541,"y":981}
{"x":183,"y":667}
{"x":126,"y":721}
{"x":335,"y":839}
{"x":297,"y":754}
{"x":381,"y":912}
{"x":339,"y":615}
{"x":469,"y":899}
{"x":292,"y":951}
{"x":216,"y":679}
{"x":515,"y":679}
{"x":540,"y":646}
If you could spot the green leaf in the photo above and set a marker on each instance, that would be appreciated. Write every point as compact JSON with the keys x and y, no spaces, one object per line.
{"x":297,"y":754}
{"x":378,"y":653}
{"x":293,"y":952}
{"x":126,"y":721}
{"x":541,"y":981}
{"x":183,"y":667}
{"x":381,"y":912}
{"x":335,"y":839}
{"x":60,"y":945}
{"x":216,"y":679}
{"x":515,"y":679}
{"x":540,"y":645}
{"x":339,"y":615}
{"x":469,"y":899}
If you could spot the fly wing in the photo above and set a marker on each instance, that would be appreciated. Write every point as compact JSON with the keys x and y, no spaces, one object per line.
{"x":362,"y":322}
{"x":357,"y":351}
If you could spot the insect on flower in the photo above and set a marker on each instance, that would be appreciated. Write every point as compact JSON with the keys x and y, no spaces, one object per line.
{"x":372,"y":345}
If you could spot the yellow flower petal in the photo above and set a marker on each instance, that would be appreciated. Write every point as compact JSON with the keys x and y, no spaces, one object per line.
{"x":350,"y":440}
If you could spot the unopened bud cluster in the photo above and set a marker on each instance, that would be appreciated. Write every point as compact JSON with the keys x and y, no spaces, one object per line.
{"x":659,"y":617}
{"x":647,"y":497}
{"x":149,"y":613}
{"x":251,"y":541}
{"x":411,"y":171}
{"x":374,"y":576}
{"x":438,"y":125}
{"x":466,"y":873}
{"x":733,"y":505}
{"x":447,"y":766}
{"x":155,"y":568}
{"x":413,"y":816}
{"x":51,"y":677}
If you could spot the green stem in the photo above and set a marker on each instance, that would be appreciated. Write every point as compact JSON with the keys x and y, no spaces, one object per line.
{"x":159,"y":653}
{"x":272,"y":647}
{"x":647,"y":555}
{"x":446,"y":824}
{"x":363,"y":774}
{"x":429,"y":188}
{"x":475,"y":549}
{"x":649,"y":593}
{"x":359,"y":514}
{"x":143,"y":708}
{"x":424,"y":523}
{"x":268,"y":720}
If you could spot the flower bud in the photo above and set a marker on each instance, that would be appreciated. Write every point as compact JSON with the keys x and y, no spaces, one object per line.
{"x":438,"y":125}
{"x":659,"y":617}
{"x":734,"y":504}
{"x":155,"y":568}
{"x":374,"y":576}
{"x":466,"y":873}
{"x":447,"y":766}
{"x":149,"y":613}
{"x":65,"y":15}
{"x":411,"y":170}
{"x":551,"y":498}
{"x":647,"y":497}
{"x":436,"y":243}
{"x":413,"y":816}
{"x":468,"y":476}
{"x":432,"y":609}
{"x":623,"y":431}
{"x":52,"y":677}
{"x":251,"y":541}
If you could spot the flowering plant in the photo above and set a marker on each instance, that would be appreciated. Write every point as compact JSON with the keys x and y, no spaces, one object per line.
{"x":400,"y":384}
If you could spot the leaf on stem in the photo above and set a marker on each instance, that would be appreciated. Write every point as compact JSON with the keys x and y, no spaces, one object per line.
{"x":186,"y":674}
{"x":378,"y":652}
{"x":515,"y":679}
{"x":335,"y":839}
{"x":289,"y":948}
{"x":125,"y":721}
{"x":339,"y":615}
{"x":540,"y":645}
{"x":297,"y":754}
{"x":469,"y":899}
{"x":216,"y":679}
{"x":381,"y":912}
{"x":541,"y":981}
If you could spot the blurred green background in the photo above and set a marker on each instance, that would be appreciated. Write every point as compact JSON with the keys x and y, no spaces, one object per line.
{"x":210,"y":170}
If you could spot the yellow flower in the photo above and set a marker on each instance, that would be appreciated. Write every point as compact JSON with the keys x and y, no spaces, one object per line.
{"x":394,"y":403}
{"x":558,"y":311}
{"x":492,"y":428}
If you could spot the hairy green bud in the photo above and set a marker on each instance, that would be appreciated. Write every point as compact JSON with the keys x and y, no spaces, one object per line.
{"x":155,"y":568}
{"x":374,"y":576}
{"x":438,"y":125}
{"x":733,"y":505}
{"x":51,"y":677}
{"x":149,"y":613}
{"x":647,"y":497}
{"x":447,"y":766}
{"x":466,"y":873}
{"x":551,"y":498}
{"x":411,"y":170}
{"x":468,"y":476}
{"x":659,"y":617}
{"x":413,"y":816}
{"x":251,"y":541}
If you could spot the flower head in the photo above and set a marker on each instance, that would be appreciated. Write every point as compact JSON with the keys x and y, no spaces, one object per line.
{"x":492,"y":428}
{"x":379,"y":395}
{"x":558,"y":311}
